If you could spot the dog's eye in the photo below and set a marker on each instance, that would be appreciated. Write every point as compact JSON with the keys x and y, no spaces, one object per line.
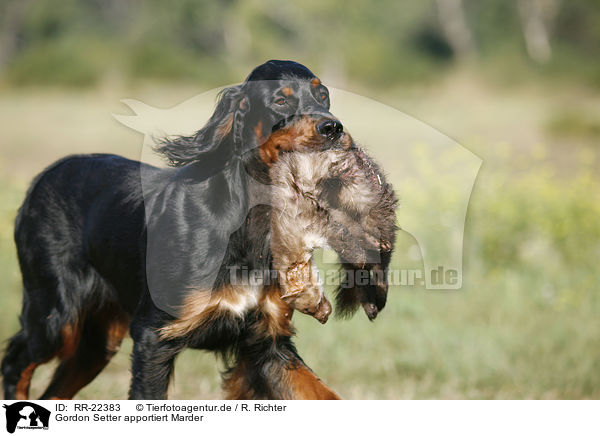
{"x":323,"y":96}
{"x":280,"y":101}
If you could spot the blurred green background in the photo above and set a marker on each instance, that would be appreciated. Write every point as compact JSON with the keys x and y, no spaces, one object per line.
{"x":515,"y":81}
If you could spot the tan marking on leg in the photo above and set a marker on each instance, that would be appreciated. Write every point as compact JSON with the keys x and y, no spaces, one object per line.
{"x":277,"y":313}
{"x":80,"y":363}
{"x":201,"y":306}
{"x":235,"y":384}
{"x":71,"y":335}
{"x":305,"y":385}
{"x":198,"y":307}
{"x":117,"y":330}
{"x":22,"y":391}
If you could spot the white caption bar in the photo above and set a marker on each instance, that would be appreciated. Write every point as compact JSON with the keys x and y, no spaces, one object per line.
{"x":302,"y":417}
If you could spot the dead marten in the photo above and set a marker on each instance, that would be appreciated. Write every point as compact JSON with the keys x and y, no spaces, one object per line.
{"x":337,"y":198}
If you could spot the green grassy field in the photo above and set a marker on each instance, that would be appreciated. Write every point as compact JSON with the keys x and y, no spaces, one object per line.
{"x":526,"y":323}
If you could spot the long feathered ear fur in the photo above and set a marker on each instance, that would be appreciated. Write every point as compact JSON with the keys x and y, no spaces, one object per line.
{"x":215,"y":140}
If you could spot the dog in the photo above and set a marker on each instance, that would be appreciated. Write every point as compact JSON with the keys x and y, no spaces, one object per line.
{"x":108,"y":245}
{"x":338,"y":198}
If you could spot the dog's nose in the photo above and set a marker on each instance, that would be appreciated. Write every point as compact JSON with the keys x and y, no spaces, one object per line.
{"x":331,"y":129}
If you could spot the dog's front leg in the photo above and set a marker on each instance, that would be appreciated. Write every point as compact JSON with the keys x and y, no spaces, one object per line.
{"x":152,"y":363}
{"x":272,"y":370}
{"x":266,"y":364}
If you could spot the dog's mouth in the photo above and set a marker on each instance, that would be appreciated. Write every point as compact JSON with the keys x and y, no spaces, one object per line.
{"x":343,"y":142}
{"x":300,"y":133}
{"x":285,"y":122}
{"x":309,"y":130}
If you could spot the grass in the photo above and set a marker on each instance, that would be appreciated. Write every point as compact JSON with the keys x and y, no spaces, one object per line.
{"x":525,"y":324}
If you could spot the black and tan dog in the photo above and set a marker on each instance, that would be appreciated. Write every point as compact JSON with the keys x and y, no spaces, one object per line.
{"x":108,"y":245}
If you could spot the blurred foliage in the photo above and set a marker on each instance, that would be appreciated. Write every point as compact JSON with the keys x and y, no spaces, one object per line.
{"x":574,"y":123}
{"x":81,"y":42}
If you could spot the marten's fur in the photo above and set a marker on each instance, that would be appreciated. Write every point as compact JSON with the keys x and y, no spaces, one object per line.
{"x":341,"y":199}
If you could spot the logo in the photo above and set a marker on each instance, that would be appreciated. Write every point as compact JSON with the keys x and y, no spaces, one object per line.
{"x":26,"y":415}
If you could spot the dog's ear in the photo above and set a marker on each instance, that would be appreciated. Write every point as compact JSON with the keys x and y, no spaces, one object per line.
{"x":214,"y":142}
{"x":228,"y":113}
{"x":243,"y":108}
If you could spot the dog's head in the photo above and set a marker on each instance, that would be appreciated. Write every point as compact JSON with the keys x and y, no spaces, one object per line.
{"x":281,"y":106}
{"x":288,"y":110}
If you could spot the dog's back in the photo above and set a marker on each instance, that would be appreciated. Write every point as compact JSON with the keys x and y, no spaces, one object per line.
{"x":76,"y":209}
